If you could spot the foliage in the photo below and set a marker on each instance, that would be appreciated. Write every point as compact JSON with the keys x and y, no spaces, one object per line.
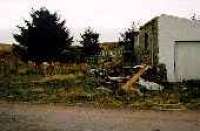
{"x":127,"y":40}
{"x":90,"y":84}
{"x":157,"y":73}
{"x":74,"y":54}
{"x":190,"y":90}
{"x":78,"y":88}
{"x":142,"y":56}
{"x":44,"y":37}
{"x":90,"y":42}
{"x":20,"y":52}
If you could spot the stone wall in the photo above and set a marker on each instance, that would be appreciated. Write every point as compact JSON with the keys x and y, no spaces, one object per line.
{"x":148,"y":42}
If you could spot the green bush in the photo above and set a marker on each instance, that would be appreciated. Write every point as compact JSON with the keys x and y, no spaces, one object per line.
{"x":157,"y":73}
{"x":190,"y":90}
{"x":90,"y":85}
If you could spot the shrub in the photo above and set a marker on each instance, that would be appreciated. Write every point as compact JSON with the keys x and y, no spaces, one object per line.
{"x":157,"y":73}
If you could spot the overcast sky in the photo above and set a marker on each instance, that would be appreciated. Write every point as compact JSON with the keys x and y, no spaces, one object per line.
{"x":108,"y":17}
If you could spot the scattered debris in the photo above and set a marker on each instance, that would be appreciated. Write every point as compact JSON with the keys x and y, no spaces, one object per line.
{"x":97,"y":72}
{"x":117,"y":79}
{"x":150,"y":85}
{"x":131,"y":84}
{"x":104,"y":89}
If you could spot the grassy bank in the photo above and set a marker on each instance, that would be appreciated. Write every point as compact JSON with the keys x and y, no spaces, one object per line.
{"x":79,"y":89}
{"x":72,"y":85}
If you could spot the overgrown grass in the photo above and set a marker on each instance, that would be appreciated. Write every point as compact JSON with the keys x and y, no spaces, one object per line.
{"x":71,"y":85}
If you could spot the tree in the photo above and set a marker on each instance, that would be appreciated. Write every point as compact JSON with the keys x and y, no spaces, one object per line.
{"x":90,"y":42}
{"x":127,"y":40}
{"x":44,"y":37}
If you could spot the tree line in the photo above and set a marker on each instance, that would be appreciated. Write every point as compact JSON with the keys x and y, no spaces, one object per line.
{"x":46,"y":38}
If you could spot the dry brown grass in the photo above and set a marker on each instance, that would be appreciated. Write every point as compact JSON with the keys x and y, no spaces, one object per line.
{"x":5,"y":48}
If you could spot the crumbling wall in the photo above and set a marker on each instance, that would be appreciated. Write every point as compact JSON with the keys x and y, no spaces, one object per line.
{"x":148,"y":43}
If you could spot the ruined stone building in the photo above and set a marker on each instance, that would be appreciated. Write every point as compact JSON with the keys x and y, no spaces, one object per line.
{"x":175,"y":42}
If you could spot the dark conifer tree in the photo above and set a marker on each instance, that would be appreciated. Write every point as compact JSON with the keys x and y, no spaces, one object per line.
{"x":44,"y":37}
{"x":90,"y":42}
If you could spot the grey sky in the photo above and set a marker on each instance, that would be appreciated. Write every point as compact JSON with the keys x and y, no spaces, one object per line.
{"x":108,"y":17}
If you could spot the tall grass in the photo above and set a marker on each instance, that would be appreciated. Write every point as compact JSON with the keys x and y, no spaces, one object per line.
{"x":69,"y":83}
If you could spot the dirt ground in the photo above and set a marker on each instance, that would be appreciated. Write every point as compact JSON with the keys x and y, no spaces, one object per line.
{"x":27,"y":117}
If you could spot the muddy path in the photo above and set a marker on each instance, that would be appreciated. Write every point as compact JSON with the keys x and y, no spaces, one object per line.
{"x":27,"y":117}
